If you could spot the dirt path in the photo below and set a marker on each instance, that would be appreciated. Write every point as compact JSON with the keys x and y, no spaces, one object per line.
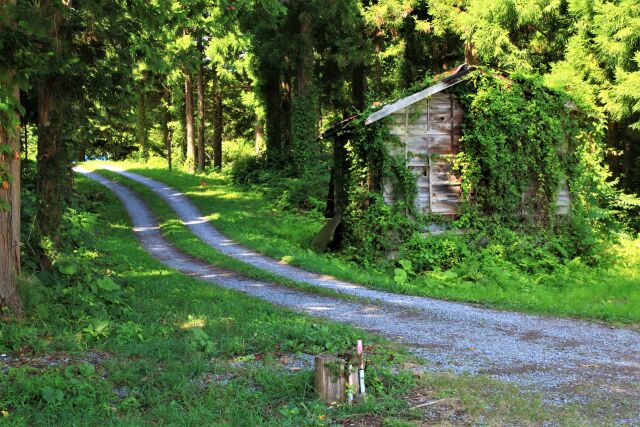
{"x":569,"y":360}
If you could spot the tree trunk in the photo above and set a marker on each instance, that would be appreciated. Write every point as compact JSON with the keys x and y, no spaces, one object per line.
{"x":201,"y":120}
{"x":189,"y":121}
{"x":304,"y":117}
{"x":286,"y":112}
{"x":332,"y":378}
{"x":53,"y":171}
{"x":217,"y":120}
{"x":142,"y":122}
{"x":470,"y":53}
{"x":377,"y":77}
{"x":359,"y":87}
{"x":52,"y":165}
{"x":82,"y":152}
{"x":166,"y":137}
{"x":613,"y":141}
{"x":273,"y":107}
{"x":26,"y":141}
{"x":259,"y":134}
{"x":10,"y":205}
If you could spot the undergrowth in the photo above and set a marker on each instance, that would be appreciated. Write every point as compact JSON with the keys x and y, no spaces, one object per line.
{"x":112,"y":336}
{"x":496,"y":266}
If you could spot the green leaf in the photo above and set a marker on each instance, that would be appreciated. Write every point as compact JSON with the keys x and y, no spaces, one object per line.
{"x":86,"y":370}
{"x":400,"y":276}
{"x":67,"y":267}
{"x":244,"y":359}
{"x":106,"y":284}
{"x":52,"y":395}
{"x":406,"y":265}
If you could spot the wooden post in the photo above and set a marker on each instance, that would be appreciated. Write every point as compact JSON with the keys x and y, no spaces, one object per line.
{"x":331,"y":379}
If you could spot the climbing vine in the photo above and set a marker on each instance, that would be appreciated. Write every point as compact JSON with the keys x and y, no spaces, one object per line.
{"x":10,"y":110}
{"x":513,"y":146}
{"x":521,"y":141}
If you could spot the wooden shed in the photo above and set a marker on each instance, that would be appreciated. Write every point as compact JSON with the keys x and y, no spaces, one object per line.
{"x":429,"y":127}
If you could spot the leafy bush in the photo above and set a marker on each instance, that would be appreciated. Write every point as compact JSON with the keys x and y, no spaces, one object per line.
{"x":306,"y":191}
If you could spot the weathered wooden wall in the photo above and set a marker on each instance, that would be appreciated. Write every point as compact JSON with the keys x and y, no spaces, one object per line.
{"x":430,"y":132}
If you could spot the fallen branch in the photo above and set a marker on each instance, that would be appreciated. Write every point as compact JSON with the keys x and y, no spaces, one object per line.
{"x":433,"y":402}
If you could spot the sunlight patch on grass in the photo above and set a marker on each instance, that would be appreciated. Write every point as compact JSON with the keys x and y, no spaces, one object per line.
{"x":194,"y":322}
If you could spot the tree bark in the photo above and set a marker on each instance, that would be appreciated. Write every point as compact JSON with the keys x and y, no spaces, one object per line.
{"x":189,"y":121}
{"x":201,"y":117}
{"x":217,"y":120}
{"x":26,"y":141}
{"x":53,"y":171}
{"x":304,"y":119}
{"x":286,"y":113}
{"x":259,"y":134}
{"x":359,"y":90}
{"x":377,"y":76}
{"x":613,"y":141}
{"x":52,"y":165}
{"x":142,"y":122}
{"x":271,"y":89}
{"x":470,"y":53}
{"x":166,"y":118}
{"x":10,"y":205}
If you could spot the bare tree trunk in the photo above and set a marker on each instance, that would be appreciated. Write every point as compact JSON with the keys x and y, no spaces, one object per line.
{"x":142,"y":122}
{"x":10,"y":205}
{"x":470,"y":53}
{"x":189,"y":121}
{"x":166,"y":137}
{"x":217,"y":121}
{"x":201,"y":119}
{"x":259,"y":134}
{"x":26,"y":141}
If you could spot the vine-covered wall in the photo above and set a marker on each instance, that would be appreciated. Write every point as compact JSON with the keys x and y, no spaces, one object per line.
{"x":520,"y":142}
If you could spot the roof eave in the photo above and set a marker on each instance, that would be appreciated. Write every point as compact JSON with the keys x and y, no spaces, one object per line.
{"x":454,"y":79}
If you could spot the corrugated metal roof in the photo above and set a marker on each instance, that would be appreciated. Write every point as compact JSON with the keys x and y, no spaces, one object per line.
{"x":454,"y":78}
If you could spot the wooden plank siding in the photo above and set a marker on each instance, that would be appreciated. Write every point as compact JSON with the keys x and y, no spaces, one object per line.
{"x":430,"y":132}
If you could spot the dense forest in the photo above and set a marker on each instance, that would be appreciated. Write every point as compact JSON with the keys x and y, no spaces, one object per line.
{"x":310,"y":134}
{"x":249,"y":86}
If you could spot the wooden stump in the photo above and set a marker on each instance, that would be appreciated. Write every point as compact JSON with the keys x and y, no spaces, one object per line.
{"x":331,"y":380}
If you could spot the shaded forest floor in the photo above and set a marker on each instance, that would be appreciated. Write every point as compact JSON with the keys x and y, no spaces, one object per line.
{"x":113,"y":337}
{"x":254,"y":219}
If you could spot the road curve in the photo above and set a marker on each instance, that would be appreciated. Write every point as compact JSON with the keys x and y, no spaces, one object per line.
{"x":569,"y":360}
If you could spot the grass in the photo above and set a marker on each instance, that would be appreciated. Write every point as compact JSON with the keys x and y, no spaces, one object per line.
{"x":167,"y":349}
{"x":179,"y":235}
{"x":610,"y":294}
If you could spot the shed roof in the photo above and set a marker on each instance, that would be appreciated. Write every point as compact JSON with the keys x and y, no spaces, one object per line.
{"x":454,"y":78}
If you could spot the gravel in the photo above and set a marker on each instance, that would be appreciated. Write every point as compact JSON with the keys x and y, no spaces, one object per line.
{"x":566,"y":359}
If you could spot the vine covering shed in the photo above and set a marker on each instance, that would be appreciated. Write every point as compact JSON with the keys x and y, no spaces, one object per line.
{"x":428,"y":125}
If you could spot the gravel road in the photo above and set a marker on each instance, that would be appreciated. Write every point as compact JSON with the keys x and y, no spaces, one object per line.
{"x":568,"y":360}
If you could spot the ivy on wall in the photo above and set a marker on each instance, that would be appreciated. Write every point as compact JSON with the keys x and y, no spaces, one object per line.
{"x":520,"y":140}
{"x":513,"y":139}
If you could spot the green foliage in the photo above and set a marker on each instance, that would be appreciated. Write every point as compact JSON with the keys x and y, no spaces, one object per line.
{"x":515,"y":134}
{"x":185,"y":352}
{"x":374,"y":228}
{"x":287,"y":190}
